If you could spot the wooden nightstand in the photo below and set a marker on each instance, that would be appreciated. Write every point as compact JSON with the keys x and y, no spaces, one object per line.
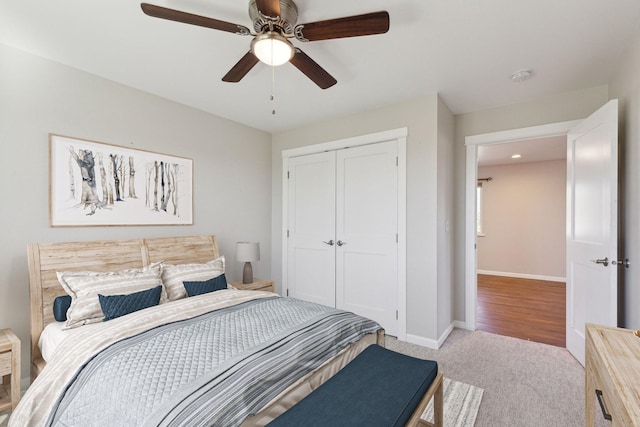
{"x":257,"y":285}
{"x":9,"y":369}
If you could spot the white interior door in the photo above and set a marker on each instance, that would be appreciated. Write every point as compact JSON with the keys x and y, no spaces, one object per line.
{"x":311,"y":228}
{"x":366,"y":232}
{"x":592,"y":215}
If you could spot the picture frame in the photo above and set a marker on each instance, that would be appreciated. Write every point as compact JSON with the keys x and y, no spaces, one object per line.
{"x":98,"y":184}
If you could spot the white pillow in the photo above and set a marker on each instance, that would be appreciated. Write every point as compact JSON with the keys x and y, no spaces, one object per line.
{"x":174,"y":275}
{"x":84,"y":287}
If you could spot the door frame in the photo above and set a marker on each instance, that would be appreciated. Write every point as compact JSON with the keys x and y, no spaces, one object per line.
{"x":472,"y":142}
{"x":400,"y":136}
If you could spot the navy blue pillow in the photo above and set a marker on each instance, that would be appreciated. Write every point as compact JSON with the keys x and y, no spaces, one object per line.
{"x":211,"y":285}
{"x":114,"y":306}
{"x":60,"y":306}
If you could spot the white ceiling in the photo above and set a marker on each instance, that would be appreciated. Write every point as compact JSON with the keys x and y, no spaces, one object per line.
{"x":463,"y":49}
{"x":531,"y":150}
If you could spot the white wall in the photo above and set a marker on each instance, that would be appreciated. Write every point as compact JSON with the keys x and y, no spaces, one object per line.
{"x":446,"y":144}
{"x":625,"y":86}
{"x":420,"y":116}
{"x":524,"y":219}
{"x":552,"y":109}
{"x":232,"y":167}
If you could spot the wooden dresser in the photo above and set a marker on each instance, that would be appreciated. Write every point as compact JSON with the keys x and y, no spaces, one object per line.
{"x":612,"y":376}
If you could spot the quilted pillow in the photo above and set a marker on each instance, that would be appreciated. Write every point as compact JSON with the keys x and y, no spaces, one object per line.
{"x":198,"y":288}
{"x":84,"y":287}
{"x":114,"y":306}
{"x":173,"y":276}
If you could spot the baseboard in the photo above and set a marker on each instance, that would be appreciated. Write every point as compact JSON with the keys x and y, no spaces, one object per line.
{"x":459,"y":324}
{"x":445,"y":335}
{"x":422,"y":341}
{"x":435,"y":344}
{"x":523,"y":276}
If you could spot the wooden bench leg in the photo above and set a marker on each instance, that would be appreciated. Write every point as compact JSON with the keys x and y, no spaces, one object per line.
{"x":438,"y":403}
{"x":436,"y":392}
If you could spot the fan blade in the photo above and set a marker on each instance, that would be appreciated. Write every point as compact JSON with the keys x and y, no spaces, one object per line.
{"x":189,"y":18}
{"x":238,"y":71}
{"x":270,"y":8}
{"x":351,"y":26}
{"x":311,"y":69}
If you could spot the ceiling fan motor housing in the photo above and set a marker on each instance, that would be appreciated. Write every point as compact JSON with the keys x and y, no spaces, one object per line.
{"x":286,"y":21}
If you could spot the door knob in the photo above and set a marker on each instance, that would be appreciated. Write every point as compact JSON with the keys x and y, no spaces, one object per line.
{"x":330,"y":242}
{"x":340,"y":243}
{"x":604,"y":261}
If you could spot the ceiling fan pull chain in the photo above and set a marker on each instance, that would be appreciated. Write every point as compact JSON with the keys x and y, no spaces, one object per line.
{"x":273,"y":89}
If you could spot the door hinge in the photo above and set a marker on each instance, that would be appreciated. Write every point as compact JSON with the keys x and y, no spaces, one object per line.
{"x":287,"y":234}
{"x":287,"y":292}
{"x":396,"y":161}
{"x":396,"y":237}
{"x":287,"y":174}
{"x":396,"y":314}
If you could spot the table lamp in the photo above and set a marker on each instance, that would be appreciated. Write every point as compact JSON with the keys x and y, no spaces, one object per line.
{"x":247,"y":252}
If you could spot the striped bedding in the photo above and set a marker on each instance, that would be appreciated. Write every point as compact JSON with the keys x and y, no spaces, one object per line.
{"x":182,"y":365}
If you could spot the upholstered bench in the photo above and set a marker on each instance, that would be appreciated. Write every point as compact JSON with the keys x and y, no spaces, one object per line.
{"x":378,"y":388}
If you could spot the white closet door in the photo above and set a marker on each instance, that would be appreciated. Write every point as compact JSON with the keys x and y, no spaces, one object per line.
{"x":366,"y":230}
{"x":311,"y":217}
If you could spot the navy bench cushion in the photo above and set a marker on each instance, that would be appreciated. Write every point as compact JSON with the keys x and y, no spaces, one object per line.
{"x":378,"y":388}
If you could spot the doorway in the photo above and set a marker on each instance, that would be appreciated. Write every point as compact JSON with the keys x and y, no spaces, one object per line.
{"x":473,"y":143}
{"x":521,"y":257}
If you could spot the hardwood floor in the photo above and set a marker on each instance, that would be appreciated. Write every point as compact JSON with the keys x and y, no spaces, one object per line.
{"x":523,"y":308}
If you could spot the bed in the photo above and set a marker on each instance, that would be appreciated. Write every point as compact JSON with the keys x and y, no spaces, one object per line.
{"x":247,"y":389}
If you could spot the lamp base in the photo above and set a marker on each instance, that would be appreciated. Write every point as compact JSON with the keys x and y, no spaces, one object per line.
{"x":247,"y":273}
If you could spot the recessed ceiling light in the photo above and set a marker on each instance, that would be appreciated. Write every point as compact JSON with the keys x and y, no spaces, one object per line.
{"x":521,"y":75}
{"x":516,"y":156}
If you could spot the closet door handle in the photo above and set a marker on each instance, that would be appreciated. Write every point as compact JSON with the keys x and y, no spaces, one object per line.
{"x":340,"y":243}
{"x":330,"y":242}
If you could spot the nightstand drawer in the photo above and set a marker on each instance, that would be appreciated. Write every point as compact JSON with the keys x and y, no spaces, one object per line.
{"x":5,"y":363}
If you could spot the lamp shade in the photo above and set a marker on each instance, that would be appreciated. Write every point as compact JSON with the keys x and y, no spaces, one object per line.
{"x":248,"y":251}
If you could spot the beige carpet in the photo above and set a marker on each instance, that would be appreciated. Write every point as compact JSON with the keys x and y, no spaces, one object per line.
{"x":525,"y":384}
{"x":461,"y":404}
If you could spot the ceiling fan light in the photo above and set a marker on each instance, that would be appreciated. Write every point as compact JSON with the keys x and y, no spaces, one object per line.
{"x":272,"y":48}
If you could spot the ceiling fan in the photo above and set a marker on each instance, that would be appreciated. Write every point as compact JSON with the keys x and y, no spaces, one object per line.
{"x":274,"y":22}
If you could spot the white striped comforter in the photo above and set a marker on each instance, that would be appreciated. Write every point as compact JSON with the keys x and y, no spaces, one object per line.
{"x":224,"y":387}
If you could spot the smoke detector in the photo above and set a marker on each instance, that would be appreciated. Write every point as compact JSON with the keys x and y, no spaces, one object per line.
{"x":521,"y":75}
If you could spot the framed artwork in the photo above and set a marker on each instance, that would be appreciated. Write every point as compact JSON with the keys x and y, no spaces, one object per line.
{"x":94,"y":183}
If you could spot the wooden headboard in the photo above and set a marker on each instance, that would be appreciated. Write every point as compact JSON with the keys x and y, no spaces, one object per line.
{"x":45,"y":259}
